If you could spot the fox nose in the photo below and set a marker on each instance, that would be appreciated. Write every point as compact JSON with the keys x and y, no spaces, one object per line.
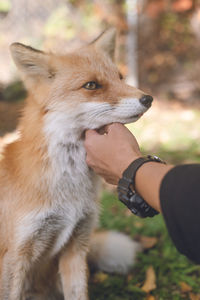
{"x":146,"y":100}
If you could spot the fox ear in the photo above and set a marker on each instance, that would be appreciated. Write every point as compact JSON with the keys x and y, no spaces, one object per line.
{"x":31,"y":62}
{"x":107,"y":42}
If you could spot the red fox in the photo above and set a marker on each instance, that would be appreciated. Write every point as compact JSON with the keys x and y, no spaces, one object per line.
{"x":48,"y":195}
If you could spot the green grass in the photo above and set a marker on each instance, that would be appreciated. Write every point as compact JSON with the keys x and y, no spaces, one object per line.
{"x":170,"y":267}
{"x":174,"y":135}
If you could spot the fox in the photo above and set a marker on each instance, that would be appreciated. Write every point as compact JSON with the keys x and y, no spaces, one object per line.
{"x":49,"y":203}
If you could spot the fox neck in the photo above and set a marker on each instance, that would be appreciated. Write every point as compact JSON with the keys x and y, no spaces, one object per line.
{"x":65,"y":146}
{"x":51,"y":148}
{"x":67,"y":155}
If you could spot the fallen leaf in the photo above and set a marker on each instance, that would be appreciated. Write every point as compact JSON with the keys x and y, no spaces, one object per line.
{"x":127,"y":229}
{"x":138,"y":224}
{"x":150,"y":281}
{"x":185,"y":288}
{"x":194,"y":296}
{"x":150,"y":297}
{"x":148,"y":242}
{"x":100,"y":277}
{"x":128,"y":213}
{"x":115,"y":209}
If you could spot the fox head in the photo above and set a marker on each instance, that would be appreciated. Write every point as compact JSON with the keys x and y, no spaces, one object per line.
{"x":82,"y":89}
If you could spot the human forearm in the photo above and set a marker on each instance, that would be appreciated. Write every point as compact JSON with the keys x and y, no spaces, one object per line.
{"x":148,"y":180}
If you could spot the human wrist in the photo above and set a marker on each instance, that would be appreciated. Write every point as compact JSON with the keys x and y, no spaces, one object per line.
{"x":126,"y":162}
{"x":148,"y":180}
{"x":127,"y":192}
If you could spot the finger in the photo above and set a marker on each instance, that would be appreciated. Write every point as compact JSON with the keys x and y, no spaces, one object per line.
{"x":91,"y":138}
{"x":104,"y":129}
{"x":109,"y":127}
{"x":116,"y":125}
{"x":90,"y":132}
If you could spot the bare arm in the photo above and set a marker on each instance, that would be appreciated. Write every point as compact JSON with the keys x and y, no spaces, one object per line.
{"x":177,"y":191}
{"x":110,"y":154}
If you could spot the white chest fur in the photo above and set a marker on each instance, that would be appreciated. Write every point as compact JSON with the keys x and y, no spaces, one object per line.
{"x":52,"y":227}
{"x":73,"y":192}
{"x":72,"y":186}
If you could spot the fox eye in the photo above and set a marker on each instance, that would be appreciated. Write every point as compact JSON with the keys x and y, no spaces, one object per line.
{"x":91,"y":85}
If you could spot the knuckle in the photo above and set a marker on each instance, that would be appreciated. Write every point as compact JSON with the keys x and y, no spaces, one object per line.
{"x":116,"y":126}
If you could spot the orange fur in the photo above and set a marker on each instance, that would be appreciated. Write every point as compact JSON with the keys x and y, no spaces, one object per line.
{"x":32,"y":195}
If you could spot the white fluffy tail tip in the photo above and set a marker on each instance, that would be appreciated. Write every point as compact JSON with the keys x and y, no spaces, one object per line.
{"x":112,"y":252}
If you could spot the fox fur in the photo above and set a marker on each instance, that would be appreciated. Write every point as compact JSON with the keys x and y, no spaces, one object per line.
{"x":48,"y":195}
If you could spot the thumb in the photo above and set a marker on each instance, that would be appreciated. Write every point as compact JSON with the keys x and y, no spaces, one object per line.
{"x":90,"y":132}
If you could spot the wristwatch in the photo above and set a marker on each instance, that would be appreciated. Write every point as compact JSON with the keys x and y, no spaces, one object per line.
{"x":126,"y":189}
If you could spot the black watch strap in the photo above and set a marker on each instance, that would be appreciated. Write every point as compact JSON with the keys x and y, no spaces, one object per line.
{"x":130,"y":172}
{"x":126,"y":189}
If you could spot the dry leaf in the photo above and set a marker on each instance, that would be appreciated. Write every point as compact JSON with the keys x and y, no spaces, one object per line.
{"x":138,"y":224}
{"x":100,"y":277}
{"x":128,"y":213}
{"x":148,"y":242}
{"x":194,"y":296}
{"x":150,"y":297}
{"x":150,"y":281}
{"x":185,"y":288}
{"x":115,"y":209}
{"x":127,"y":229}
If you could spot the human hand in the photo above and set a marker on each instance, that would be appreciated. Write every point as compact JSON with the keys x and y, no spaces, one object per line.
{"x":109,"y":154}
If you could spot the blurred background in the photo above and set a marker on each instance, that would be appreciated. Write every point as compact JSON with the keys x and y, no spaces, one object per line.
{"x":158,"y":51}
